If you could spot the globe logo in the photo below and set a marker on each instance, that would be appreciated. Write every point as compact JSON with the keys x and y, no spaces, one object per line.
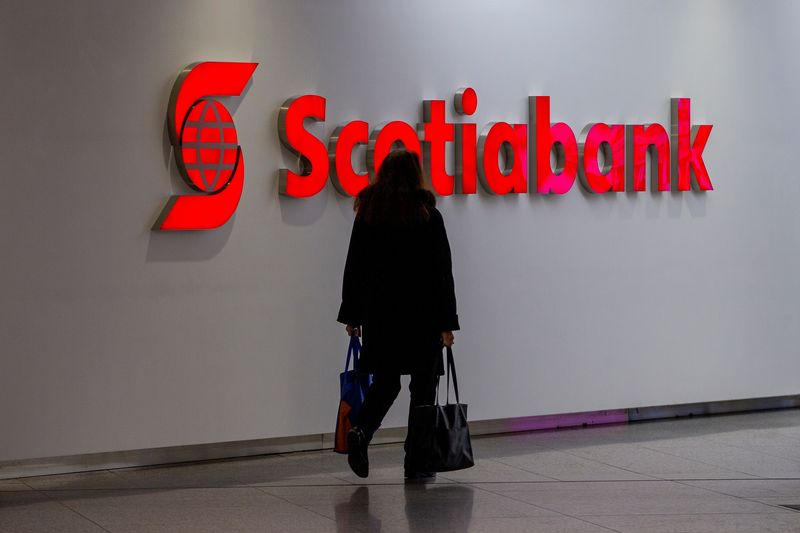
{"x":209,"y":146}
{"x":205,"y":145}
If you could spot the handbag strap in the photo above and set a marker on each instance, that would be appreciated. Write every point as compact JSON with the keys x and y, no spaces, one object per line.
{"x":451,"y":368}
{"x":355,"y":350}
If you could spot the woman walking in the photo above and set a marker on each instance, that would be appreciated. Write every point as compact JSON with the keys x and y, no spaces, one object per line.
{"x":398,"y":285}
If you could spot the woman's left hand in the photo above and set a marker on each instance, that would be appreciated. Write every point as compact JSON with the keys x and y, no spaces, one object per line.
{"x":448,"y":339}
{"x":353,"y":331}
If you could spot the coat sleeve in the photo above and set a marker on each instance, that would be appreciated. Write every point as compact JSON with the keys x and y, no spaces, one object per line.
{"x":351,"y":311}
{"x":446,"y":315}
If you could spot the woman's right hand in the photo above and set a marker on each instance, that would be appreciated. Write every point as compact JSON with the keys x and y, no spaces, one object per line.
{"x":448,"y":339}
{"x":353,"y":331}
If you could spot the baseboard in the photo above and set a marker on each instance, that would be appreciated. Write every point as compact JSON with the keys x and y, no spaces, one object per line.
{"x":714,"y":408}
{"x":229,"y":450}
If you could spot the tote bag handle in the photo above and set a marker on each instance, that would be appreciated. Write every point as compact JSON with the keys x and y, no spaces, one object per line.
{"x":451,"y":368}
{"x":355,"y":350}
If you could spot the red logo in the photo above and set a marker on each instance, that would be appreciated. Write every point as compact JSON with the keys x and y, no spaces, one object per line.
{"x":206,"y":146}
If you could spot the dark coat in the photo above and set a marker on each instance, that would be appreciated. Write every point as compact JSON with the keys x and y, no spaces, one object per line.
{"x":398,"y":285}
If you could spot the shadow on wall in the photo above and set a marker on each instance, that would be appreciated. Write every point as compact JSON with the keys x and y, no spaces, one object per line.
{"x":653,"y":202}
{"x":669,"y":204}
{"x":167,"y":246}
{"x":302,"y":211}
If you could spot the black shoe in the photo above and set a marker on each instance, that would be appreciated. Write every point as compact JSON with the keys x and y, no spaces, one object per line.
{"x":357,"y":452}
{"x":415,"y":475}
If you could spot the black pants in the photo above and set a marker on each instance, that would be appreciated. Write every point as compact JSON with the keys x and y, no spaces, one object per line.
{"x":381,"y":395}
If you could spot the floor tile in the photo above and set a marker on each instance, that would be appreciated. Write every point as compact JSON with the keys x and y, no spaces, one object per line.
{"x":747,"y":438}
{"x":13,"y":485}
{"x":32,"y":512}
{"x":242,"y":509}
{"x":754,"y":488}
{"x":526,"y":524}
{"x":786,"y":451}
{"x":616,"y":498}
{"x":396,"y":503}
{"x":487,"y":470}
{"x":385,"y":466}
{"x":646,"y":461}
{"x":564,"y":466}
{"x":702,"y":523}
{"x":733,"y":458}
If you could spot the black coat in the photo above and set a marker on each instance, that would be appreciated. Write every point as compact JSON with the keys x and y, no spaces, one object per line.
{"x":398,"y":285}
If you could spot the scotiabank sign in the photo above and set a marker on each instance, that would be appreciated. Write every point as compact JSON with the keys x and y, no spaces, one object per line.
{"x":537,"y":157}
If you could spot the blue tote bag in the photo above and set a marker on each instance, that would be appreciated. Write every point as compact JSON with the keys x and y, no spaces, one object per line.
{"x":353,"y":387}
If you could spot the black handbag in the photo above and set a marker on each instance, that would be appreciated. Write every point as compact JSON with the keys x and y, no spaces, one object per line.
{"x":438,"y":434}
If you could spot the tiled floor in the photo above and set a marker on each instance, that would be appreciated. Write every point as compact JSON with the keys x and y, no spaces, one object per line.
{"x":716,"y":474}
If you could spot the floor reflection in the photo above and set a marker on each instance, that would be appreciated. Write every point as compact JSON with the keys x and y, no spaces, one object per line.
{"x":355,"y":514}
{"x":440,"y":507}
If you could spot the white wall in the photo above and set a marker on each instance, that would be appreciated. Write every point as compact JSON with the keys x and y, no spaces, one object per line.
{"x":114,"y":337}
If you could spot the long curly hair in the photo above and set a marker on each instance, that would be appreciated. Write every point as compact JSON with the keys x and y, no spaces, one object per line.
{"x":399,"y":195}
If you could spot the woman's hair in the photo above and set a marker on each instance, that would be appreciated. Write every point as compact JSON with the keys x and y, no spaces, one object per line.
{"x":399,"y":195}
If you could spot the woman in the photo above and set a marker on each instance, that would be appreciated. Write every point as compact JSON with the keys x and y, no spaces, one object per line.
{"x":398,"y":285}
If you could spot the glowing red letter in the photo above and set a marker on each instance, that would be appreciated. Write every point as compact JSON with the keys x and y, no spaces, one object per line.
{"x":437,"y":134}
{"x":312,"y":153}
{"x":340,"y":151}
{"x":687,"y":148}
{"x":466,"y":159}
{"x":546,"y":137}
{"x":641,"y":141}
{"x":611,"y":141}
{"x":513,"y":141}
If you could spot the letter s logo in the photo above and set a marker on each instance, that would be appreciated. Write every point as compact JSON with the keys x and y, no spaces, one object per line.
{"x":206,"y":147}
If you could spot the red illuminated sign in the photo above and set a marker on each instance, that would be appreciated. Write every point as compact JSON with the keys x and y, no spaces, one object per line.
{"x":541,"y":156}
{"x":206,"y":147}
